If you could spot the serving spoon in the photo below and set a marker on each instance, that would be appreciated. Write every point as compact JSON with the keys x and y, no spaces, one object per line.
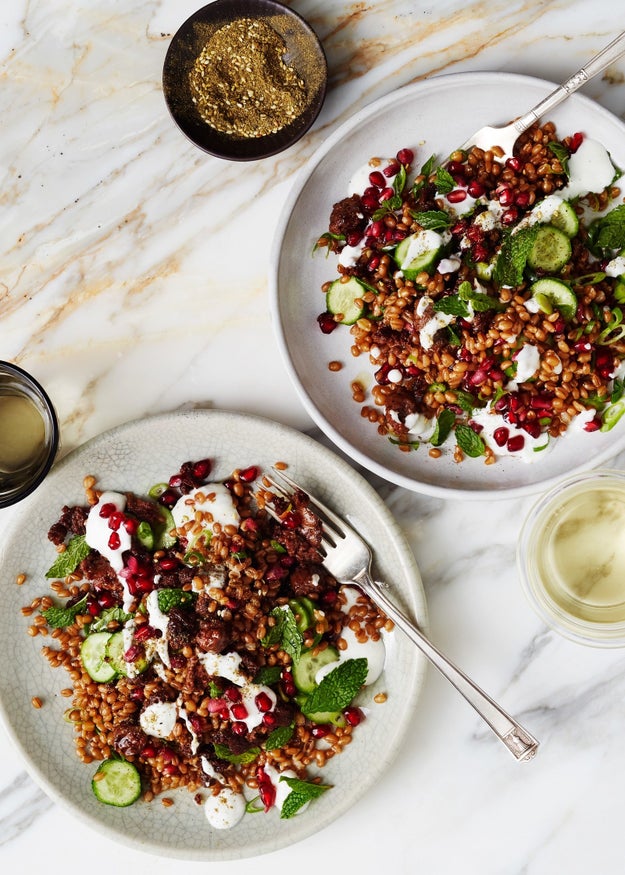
{"x":506,"y":136}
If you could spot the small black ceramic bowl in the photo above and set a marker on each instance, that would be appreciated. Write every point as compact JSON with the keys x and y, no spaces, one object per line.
{"x":304,"y":54}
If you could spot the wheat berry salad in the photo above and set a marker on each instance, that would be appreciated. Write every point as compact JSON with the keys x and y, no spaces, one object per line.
{"x":487,"y":295}
{"x":206,"y":647}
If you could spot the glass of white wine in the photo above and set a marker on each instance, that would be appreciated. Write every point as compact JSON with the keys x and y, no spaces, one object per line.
{"x":571,"y":557}
{"x":29,"y":434}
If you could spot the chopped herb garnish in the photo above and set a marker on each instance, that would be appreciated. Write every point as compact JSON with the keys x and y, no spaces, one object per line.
{"x":301,"y":793}
{"x":444,"y":424}
{"x":469,"y":441}
{"x":338,"y":688}
{"x":279,"y":737}
{"x":59,"y":618}
{"x":68,"y":561}
{"x":239,"y":759}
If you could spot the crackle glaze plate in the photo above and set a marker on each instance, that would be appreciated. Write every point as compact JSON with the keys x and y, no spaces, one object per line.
{"x":134,"y":457}
{"x":430,"y":117}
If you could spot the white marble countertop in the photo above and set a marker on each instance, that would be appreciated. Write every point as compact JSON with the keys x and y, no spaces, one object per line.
{"x":122,"y":289}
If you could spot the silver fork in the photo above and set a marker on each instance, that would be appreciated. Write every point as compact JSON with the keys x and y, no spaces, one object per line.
{"x":348,"y":558}
{"x":507,"y":136}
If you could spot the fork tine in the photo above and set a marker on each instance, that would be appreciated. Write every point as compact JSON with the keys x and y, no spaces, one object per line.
{"x":324,"y":513}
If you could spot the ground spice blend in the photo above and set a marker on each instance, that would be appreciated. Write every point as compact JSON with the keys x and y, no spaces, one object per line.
{"x":240,"y":83}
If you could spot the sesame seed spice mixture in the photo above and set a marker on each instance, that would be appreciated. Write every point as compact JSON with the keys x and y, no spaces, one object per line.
{"x":486,"y":295}
{"x":208,"y":648}
{"x":241,"y":84}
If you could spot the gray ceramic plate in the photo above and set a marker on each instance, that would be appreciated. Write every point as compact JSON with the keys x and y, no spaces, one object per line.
{"x":430,"y":117}
{"x":134,"y":457}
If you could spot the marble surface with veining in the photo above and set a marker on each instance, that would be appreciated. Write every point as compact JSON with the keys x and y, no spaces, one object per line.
{"x":133,"y":280}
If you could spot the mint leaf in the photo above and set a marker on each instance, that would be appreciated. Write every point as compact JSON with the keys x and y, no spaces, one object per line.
{"x":452,"y":306}
{"x":337,"y":688}
{"x":444,"y":181}
{"x":465,"y":401}
{"x":608,"y":232}
{"x":512,"y":258}
{"x":469,"y":442}
{"x":59,"y":618}
{"x":110,"y":615}
{"x":279,"y":737}
{"x":285,"y":632}
{"x":432,"y":220}
{"x":444,"y":424}
{"x":239,"y":759}
{"x":268,"y":675}
{"x":425,"y":174}
{"x":173,"y":598}
{"x":69,"y":560}
{"x":562,"y":154}
{"x":301,"y":793}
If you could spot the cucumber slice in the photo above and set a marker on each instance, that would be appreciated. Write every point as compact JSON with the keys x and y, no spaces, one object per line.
{"x":117,"y":782}
{"x":307,"y":666}
{"x":551,"y":250}
{"x":565,"y":219}
{"x":145,"y":535}
{"x":162,"y":538}
{"x":114,"y":655}
{"x":619,"y":291}
{"x":552,"y":294}
{"x":341,"y":300}
{"x":334,"y":717}
{"x":93,"y":655}
{"x":425,"y":260}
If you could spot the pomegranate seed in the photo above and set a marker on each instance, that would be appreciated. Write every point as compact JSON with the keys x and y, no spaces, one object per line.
{"x":137,"y":694}
{"x":329,"y":597}
{"x":375,"y":229}
{"x":515,"y":443}
{"x":216,"y":705}
{"x":168,"y":563}
{"x":478,"y":377}
{"x":377,"y":179}
{"x":354,"y":716}
{"x":202,"y":469}
{"x":502,"y":404}
{"x":475,"y":188}
{"x":233,"y":694}
{"x":266,"y":790}
{"x":501,"y":435}
{"x":326,"y":323}
{"x":582,"y":346}
{"x":131,"y":525}
{"x":370,"y":202}
{"x":513,"y":163}
{"x":239,"y":711}
{"x":269,"y":719}
{"x":263,"y":702}
{"x":175,"y":481}
{"x":476,"y":426}
{"x":144,"y":632}
{"x":391,"y":169}
{"x":114,"y":541}
{"x":168,"y":755}
{"x":389,"y":235}
{"x":106,"y":599}
{"x":386,"y":194}
{"x":497,"y":375}
{"x":510,"y":216}
{"x":239,"y":728}
{"x":522,"y":199}
{"x":576,"y":141}
{"x":168,"y":498}
{"x":353,"y":238}
{"x":374,"y":261}
{"x":540,"y":402}
{"x":144,"y":584}
{"x":456,"y":168}
{"x":559,"y":325}
{"x":115,"y":520}
{"x":532,"y":427}
{"x":319,"y":731}
{"x":506,"y":196}
{"x":148,"y":751}
{"x":133,"y":653}
{"x":592,"y":425}
{"x":398,"y":234}
{"x":107,"y":509}
{"x":405,"y":156}
{"x":93,"y":608}
{"x":457,"y":196}
{"x":177,"y":660}
{"x":170,"y":770}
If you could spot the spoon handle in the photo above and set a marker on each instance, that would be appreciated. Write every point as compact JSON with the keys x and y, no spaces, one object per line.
{"x":603,"y":59}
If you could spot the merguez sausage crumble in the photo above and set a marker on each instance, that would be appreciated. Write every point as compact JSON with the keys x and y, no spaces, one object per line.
{"x":193,"y":627}
{"x":487,"y":296}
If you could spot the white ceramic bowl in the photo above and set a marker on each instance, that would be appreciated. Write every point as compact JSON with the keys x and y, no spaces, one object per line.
{"x":134,"y":457}
{"x":432,"y":116}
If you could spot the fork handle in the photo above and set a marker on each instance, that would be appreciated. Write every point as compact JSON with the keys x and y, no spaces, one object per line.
{"x":518,"y":740}
{"x":596,"y":64}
